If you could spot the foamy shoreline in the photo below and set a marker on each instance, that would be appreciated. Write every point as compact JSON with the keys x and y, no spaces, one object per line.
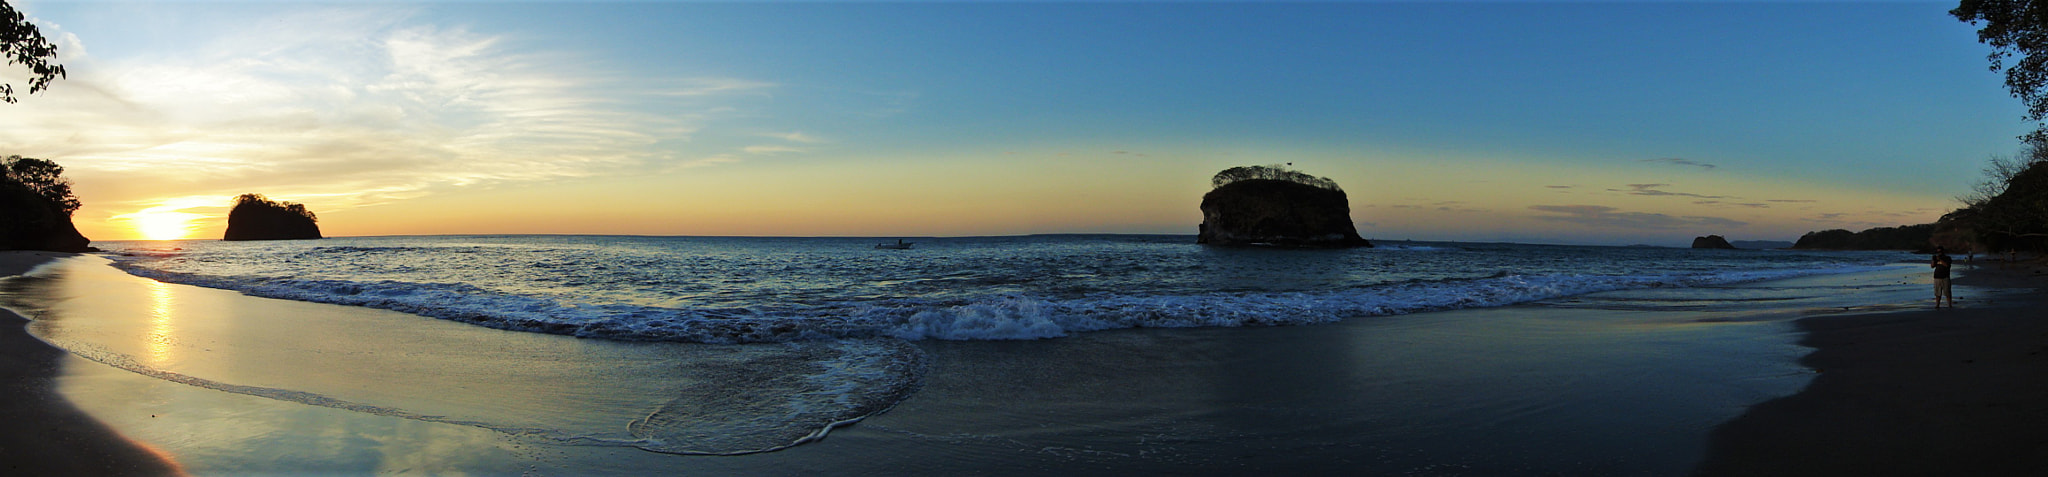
{"x":1116,"y":401}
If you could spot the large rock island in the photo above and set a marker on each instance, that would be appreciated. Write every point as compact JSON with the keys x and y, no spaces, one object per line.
{"x":36,"y":206}
{"x":1274,"y":206}
{"x":258,"y":218}
{"x":1712,"y":241}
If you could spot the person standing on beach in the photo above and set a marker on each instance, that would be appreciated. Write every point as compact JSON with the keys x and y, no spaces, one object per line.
{"x":1941,"y":263}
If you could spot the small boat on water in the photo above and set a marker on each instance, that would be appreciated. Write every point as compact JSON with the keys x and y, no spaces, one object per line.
{"x":899,"y":245}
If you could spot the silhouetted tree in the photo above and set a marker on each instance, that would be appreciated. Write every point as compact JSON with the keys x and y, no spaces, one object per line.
{"x":2018,"y":217}
{"x":42,"y":178}
{"x":1271,"y":172}
{"x":21,"y":43}
{"x":1999,"y":171}
{"x":36,"y":206}
{"x":255,"y":217}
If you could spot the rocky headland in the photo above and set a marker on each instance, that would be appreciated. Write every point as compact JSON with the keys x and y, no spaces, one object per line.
{"x":36,"y":206}
{"x":1273,"y":206}
{"x":1712,"y":241}
{"x":255,"y":217}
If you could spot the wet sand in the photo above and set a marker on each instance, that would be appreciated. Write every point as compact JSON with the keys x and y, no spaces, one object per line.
{"x":1494,"y":391}
{"x":1533,"y":390}
{"x":1960,"y":391}
{"x":41,"y":433}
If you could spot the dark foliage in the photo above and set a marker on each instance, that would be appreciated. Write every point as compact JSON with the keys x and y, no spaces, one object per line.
{"x":2015,"y":219}
{"x":21,"y":43}
{"x":1271,"y":172}
{"x":36,"y":206}
{"x":1904,"y":237}
{"x":255,"y":217}
{"x":44,"y":178}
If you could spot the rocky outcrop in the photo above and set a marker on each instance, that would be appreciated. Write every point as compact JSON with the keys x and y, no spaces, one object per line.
{"x":30,"y":222}
{"x":1712,"y":241}
{"x":257,"y":218}
{"x":1904,"y":237}
{"x":1760,"y":244}
{"x":1278,"y":213}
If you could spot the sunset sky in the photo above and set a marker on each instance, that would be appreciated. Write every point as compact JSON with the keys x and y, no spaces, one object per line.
{"x":1599,"y":123}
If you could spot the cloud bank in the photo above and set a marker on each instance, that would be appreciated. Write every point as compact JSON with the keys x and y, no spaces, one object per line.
{"x":1609,"y":217}
{"x":349,"y":108}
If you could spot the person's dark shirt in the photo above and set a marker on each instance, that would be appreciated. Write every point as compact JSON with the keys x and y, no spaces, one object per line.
{"x":1941,"y":263}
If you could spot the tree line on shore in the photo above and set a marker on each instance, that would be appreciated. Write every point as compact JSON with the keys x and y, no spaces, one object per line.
{"x":2008,"y":210}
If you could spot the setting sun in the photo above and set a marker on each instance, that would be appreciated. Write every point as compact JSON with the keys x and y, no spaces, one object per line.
{"x":162,"y":225}
{"x":168,"y":221}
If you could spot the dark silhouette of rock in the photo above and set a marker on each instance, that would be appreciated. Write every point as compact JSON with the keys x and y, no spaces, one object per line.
{"x":27,"y":222}
{"x":35,"y":207}
{"x":257,"y":218}
{"x":1904,"y":237}
{"x":1712,"y":241}
{"x":1760,"y":244}
{"x":1278,"y":212}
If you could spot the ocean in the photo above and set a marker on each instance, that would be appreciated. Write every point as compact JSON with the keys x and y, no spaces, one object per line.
{"x":1105,"y":353}
{"x":751,"y":290}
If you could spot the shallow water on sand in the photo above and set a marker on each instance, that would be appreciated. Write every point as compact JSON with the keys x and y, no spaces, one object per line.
{"x":1586,"y":385}
{"x":666,"y":397}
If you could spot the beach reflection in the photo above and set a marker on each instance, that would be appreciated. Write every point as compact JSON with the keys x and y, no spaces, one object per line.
{"x":162,"y":326}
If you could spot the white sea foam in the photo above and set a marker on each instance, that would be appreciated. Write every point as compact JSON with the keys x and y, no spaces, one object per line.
{"x":995,"y":316}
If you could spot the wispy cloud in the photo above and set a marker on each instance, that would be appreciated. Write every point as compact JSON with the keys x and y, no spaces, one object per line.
{"x":1681,"y":162}
{"x":1656,"y":190}
{"x":1610,"y":217}
{"x":769,"y":149}
{"x":795,"y":137}
{"x":360,"y":107}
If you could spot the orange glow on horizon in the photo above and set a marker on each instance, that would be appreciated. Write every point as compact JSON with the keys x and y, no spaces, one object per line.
{"x":168,"y":220}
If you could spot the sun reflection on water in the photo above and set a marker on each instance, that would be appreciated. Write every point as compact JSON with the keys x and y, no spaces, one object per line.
{"x":162,"y":325}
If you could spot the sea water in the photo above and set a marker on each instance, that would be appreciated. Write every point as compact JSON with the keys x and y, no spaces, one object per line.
{"x":835,"y":330}
{"x":745,"y":290}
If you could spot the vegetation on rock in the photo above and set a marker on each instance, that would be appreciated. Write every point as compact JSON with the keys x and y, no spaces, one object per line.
{"x":255,"y":217}
{"x":36,"y":206}
{"x":1904,"y":237}
{"x":1274,"y":206}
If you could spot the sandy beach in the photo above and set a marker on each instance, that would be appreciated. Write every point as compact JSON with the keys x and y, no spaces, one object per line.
{"x":43,"y":433}
{"x":1540,"y":390}
{"x":1921,"y":392}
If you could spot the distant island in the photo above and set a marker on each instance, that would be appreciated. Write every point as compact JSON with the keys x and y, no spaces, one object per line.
{"x":1904,"y":237}
{"x":36,"y":206}
{"x":1760,"y":244}
{"x":255,"y":217}
{"x":1712,"y":241}
{"x":1275,"y":206}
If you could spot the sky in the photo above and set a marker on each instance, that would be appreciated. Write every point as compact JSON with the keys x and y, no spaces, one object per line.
{"x":1541,"y":122}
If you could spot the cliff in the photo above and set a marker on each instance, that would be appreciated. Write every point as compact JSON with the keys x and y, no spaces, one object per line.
{"x":30,"y":222}
{"x":257,"y":218}
{"x":1760,"y":244}
{"x":1905,"y":237}
{"x":1278,"y":213}
{"x":1712,"y":241}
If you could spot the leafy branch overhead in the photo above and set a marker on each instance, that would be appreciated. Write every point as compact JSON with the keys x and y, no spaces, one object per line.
{"x":2015,"y":28}
{"x":21,"y":43}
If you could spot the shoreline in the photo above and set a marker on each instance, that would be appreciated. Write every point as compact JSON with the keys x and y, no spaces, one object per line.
{"x":41,"y":432}
{"x":1953,"y":391}
{"x":1212,"y":371}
